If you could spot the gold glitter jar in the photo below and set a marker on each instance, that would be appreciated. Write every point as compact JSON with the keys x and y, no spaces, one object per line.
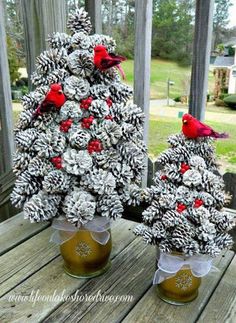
{"x":181,"y":288}
{"x":176,"y":283}
{"x":84,"y":256}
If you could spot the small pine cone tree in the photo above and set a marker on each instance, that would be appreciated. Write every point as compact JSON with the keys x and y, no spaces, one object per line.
{"x":184,"y":206}
{"x":69,"y":157}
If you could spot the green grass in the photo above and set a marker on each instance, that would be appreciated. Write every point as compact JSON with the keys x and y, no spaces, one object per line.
{"x":161,"y":128}
{"x":161,"y":70}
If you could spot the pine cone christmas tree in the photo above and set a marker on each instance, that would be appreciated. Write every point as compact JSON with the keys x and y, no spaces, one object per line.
{"x":79,"y":142}
{"x":185,"y":203}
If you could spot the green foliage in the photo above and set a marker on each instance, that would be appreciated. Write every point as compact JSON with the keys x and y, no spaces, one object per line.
{"x":173,"y":30}
{"x":12,"y":61}
{"x":222,"y":96}
{"x":220,"y":20}
{"x":177,"y":99}
{"x":230,"y":101}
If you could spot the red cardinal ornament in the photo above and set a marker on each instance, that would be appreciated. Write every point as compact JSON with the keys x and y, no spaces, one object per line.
{"x":104,"y":60}
{"x":193,"y":128}
{"x":55,"y":98}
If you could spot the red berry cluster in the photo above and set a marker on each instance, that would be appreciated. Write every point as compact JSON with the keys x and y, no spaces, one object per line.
{"x":86,"y":122}
{"x":184,"y":168}
{"x":181,"y":207}
{"x":95,"y":145}
{"x":65,"y":125}
{"x":164,"y":177}
{"x":109,"y":102}
{"x":198,"y":203}
{"x":85,"y":104}
{"x":109,"y":117}
{"x":57,"y":162}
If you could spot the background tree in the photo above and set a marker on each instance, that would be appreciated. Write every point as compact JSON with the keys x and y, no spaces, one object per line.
{"x":220,"y":21}
{"x":173,"y":30}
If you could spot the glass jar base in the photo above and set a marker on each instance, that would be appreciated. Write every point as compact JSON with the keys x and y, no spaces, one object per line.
{"x":88,"y":275}
{"x":173,"y":301}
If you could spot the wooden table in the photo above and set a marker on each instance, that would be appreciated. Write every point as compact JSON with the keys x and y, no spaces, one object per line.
{"x":31,"y":266}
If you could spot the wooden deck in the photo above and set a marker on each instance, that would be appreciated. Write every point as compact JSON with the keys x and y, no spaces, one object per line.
{"x":29,"y":263}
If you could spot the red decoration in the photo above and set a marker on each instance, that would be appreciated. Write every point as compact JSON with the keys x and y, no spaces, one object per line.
{"x":164,"y":177}
{"x":109,"y":117}
{"x":198,"y":203}
{"x":181,"y":207}
{"x":193,"y":128}
{"x":57,"y":162}
{"x":184,"y":168}
{"x":109,"y":102}
{"x":85,"y":104}
{"x":86,"y":122}
{"x":95,"y":145}
{"x":65,"y":125}
{"x":54,"y":98}
{"x":104,"y":60}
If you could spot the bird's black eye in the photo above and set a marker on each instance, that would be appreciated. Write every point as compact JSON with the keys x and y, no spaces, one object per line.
{"x":60,"y":91}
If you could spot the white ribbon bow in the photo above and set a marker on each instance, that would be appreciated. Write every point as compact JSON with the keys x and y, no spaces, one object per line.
{"x":169,"y":265}
{"x":98,"y":228}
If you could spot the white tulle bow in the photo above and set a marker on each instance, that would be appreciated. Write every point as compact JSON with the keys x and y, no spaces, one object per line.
{"x":98,"y":228}
{"x":169,"y":265}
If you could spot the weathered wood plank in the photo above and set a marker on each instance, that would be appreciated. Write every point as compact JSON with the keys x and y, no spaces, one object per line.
{"x":93,"y":7}
{"x":201,"y":58}
{"x":41,"y":18}
{"x":16,"y":230}
{"x":6,"y":120}
{"x":142,"y":62}
{"x":222,"y":305}
{"x":152,"y":309}
{"x":52,"y":278}
{"x":25,"y":259}
{"x":130,"y":275}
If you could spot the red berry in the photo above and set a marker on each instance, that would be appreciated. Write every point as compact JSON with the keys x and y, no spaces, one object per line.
{"x":86,"y":122}
{"x":181,"y":207}
{"x":198,"y":203}
{"x":109,"y":117}
{"x":65,"y":125}
{"x":85,"y":104}
{"x":184,"y":168}
{"x":94,"y":145}
{"x":163,"y":177}
{"x":109,"y":102}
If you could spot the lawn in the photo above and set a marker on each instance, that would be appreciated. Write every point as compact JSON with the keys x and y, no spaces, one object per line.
{"x":161,"y":128}
{"x":161,"y":70}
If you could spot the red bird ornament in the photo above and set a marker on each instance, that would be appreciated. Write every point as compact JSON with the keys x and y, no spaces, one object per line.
{"x":193,"y":128}
{"x":104,"y":60}
{"x":54,"y":98}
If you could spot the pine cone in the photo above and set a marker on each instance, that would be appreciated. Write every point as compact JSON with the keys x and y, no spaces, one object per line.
{"x":76,"y":88}
{"x":69,"y":110}
{"x":50,"y":144}
{"x":80,"y":63}
{"x":77,"y":162}
{"x":51,"y":60}
{"x":223,"y":241}
{"x":41,"y":207}
{"x":25,"y":186}
{"x":79,"y":21}
{"x":25,"y":139}
{"x":20,"y":162}
{"x":99,"y":109}
{"x":120,"y":92}
{"x":79,"y":206}
{"x":39,"y":167}
{"x":81,"y":41}
{"x":104,"y":40}
{"x":56,"y":181}
{"x":99,"y":181}
{"x":110,"y":205}
{"x":79,"y":138}
{"x":58,"y":40}
{"x":99,"y":91}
